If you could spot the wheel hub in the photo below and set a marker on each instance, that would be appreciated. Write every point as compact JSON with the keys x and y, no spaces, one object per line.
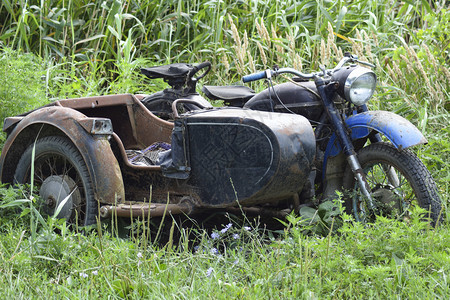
{"x":56,"y":189}
{"x":386,"y":200}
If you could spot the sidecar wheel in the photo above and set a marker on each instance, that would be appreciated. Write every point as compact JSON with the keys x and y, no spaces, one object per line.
{"x":59,"y":173}
{"x":398,"y":179}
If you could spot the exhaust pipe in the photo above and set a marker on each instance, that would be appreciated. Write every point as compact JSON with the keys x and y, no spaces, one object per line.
{"x":144,"y":210}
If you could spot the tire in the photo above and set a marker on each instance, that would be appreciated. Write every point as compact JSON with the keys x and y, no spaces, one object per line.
{"x":393,"y":195}
{"x":59,"y":173}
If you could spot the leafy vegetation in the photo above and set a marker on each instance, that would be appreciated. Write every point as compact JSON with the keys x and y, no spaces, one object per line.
{"x":21,"y":86}
{"x":59,"y":49}
{"x":386,"y":259}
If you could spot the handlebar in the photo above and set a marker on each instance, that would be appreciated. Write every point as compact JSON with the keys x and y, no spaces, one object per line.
{"x":323,"y":72}
{"x":254,"y":76}
{"x":205,"y":64}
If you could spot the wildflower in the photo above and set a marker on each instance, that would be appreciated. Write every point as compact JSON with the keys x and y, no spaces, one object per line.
{"x":247,"y":228}
{"x":139,"y":255}
{"x":215,"y":235}
{"x":236,"y":236}
{"x":226,"y":228}
{"x":236,"y":262}
{"x":95,"y":272}
{"x":84,"y":275}
{"x":214,"y":251}
{"x":209,"y":271}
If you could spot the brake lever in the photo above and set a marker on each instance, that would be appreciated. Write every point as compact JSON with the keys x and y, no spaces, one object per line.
{"x":365,"y":63}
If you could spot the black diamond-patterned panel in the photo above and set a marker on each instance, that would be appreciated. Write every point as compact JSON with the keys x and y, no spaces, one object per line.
{"x":230,"y":160}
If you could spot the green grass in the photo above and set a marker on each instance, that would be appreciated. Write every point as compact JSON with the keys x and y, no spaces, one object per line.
{"x":383,"y":260}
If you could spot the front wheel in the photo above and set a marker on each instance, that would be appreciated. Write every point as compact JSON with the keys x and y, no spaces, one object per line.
{"x":60,"y":174}
{"x":397,"y":180}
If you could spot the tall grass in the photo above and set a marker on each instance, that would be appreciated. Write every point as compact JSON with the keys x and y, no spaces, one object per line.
{"x":98,"y":43}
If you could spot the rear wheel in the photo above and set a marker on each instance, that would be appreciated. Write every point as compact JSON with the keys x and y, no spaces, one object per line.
{"x":397,"y":179}
{"x":59,"y":173}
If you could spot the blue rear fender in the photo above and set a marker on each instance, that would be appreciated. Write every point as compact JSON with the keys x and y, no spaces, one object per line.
{"x":399,"y":131}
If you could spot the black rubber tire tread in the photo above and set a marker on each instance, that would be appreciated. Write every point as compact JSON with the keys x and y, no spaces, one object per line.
{"x":410,"y":166}
{"x":65,"y":148}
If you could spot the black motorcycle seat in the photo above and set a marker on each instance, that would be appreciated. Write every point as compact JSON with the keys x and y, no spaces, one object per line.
{"x":228,"y":93}
{"x":168,"y":72}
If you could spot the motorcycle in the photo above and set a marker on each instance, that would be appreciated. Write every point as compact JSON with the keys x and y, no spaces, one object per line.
{"x":291,"y":145}
{"x":362,"y":153}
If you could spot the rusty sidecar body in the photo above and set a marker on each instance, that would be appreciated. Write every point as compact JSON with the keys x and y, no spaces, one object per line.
{"x":110,"y":154}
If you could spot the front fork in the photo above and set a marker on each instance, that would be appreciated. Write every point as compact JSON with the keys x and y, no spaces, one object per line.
{"x":338,"y":125}
{"x":389,"y":171}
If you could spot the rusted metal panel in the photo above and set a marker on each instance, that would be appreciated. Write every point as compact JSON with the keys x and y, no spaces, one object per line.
{"x":248,"y":156}
{"x":97,"y":102}
{"x":95,"y":150}
{"x":9,"y":122}
{"x":150,"y":128}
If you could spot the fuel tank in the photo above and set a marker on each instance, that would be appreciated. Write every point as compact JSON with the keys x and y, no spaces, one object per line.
{"x":242,"y":155}
{"x":299,"y":97}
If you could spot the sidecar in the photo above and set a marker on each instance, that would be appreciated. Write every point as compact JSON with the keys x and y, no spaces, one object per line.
{"x":111,"y":155}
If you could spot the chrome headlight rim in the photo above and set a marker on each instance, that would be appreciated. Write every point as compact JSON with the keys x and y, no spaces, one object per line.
{"x":352,"y":80}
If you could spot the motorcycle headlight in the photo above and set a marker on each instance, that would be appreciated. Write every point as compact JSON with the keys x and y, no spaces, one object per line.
{"x":360,"y":85}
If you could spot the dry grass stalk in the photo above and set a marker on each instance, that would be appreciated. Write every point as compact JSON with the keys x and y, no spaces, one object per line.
{"x":238,"y":46}
{"x":434,"y":91}
{"x":278,"y":48}
{"x":323,"y":53}
{"x":265,"y":33}
{"x":291,"y":41}
{"x":431,"y":57}
{"x":398,"y":75}
{"x":446,"y":72}
{"x":357,"y":46}
{"x":295,"y":58}
{"x":245,"y":42}
{"x":259,"y":29}
{"x":411,"y":53}
{"x":340,"y":54}
{"x":391,"y":72}
{"x":262,"y":53}
{"x":274,"y":32}
{"x":414,"y":100}
{"x":375,"y":39}
{"x":409,"y":66}
{"x":225,"y":63}
{"x":251,"y":62}
{"x":367,"y":46}
{"x":331,"y":41}
{"x":298,"y":62}
{"x":234,"y":31}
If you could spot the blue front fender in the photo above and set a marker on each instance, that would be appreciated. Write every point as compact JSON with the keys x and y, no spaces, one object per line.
{"x":399,"y":131}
